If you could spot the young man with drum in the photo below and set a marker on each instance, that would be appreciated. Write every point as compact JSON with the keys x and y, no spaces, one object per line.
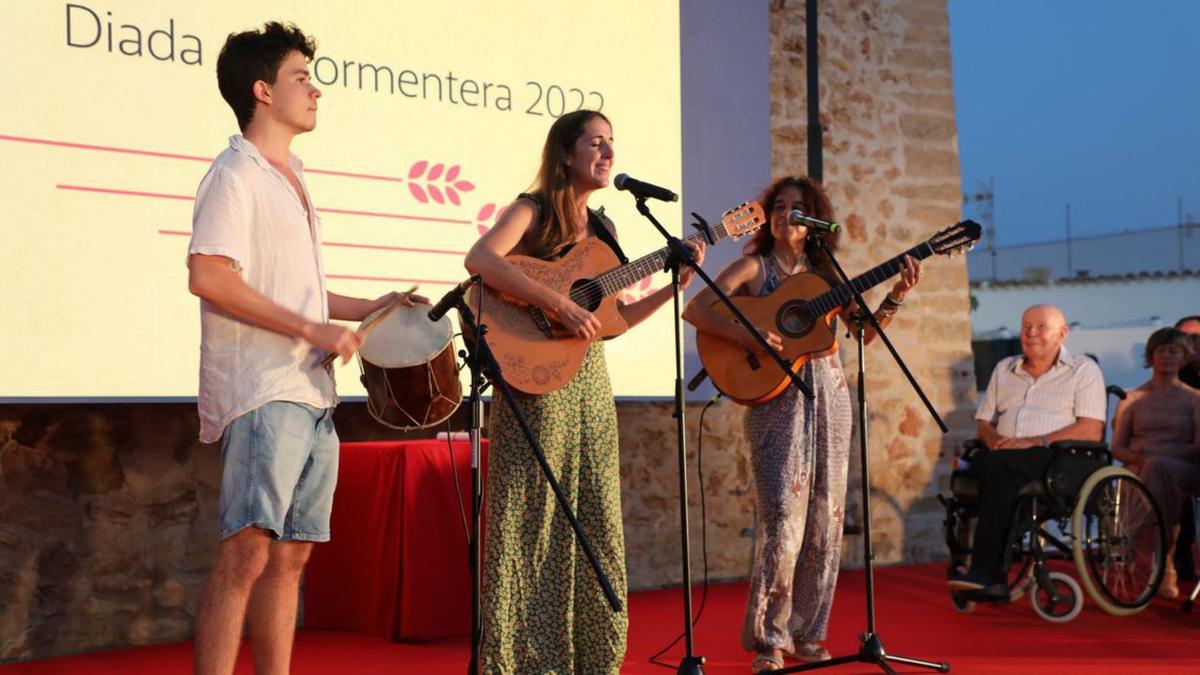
{"x":255,"y":263}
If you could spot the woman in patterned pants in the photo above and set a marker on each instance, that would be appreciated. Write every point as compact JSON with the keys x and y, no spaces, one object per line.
{"x":543,"y":611}
{"x":799,"y":448}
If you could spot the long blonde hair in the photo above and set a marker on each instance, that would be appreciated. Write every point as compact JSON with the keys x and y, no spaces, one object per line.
{"x":559,"y":217}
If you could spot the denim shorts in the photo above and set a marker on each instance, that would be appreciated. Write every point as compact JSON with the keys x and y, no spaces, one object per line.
{"x":280,"y":468}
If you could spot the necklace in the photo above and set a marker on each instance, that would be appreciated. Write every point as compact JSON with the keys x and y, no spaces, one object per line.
{"x":796,"y":267}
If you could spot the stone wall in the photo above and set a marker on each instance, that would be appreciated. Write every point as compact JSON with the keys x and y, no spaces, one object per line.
{"x":108,"y":522}
{"x":891,"y":169}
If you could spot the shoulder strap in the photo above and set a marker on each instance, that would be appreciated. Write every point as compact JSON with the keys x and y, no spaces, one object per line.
{"x":599,"y":224}
{"x":539,"y":206}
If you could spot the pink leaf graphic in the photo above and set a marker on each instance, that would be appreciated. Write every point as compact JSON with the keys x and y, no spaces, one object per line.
{"x":435,"y":172}
{"x":452,"y":173}
{"x":486,"y":212}
{"x":435,"y":193}
{"x":417,"y":192}
{"x":465,"y":185}
{"x":453,"y":196}
{"x":417,"y":169}
{"x":482,"y":229}
{"x":645,"y":284}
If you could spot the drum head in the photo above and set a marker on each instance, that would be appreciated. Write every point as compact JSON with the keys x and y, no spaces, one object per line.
{"x":405,"y":337}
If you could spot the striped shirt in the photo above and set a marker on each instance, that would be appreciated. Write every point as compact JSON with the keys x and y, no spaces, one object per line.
{"x":1022,"y":407}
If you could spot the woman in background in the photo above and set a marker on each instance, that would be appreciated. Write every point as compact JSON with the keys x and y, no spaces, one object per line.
{"x":1157,"y":435}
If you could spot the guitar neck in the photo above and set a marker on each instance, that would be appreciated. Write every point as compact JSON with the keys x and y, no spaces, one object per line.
{"x":840,"y":296}
{"x":629,"y":274}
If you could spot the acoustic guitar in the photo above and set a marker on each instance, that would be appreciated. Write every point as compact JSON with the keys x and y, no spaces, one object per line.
{"x":535,"y":352}
{"x":800,"y":312}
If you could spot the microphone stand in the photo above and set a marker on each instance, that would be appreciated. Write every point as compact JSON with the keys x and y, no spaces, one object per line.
{"x":693,"y":664}
{"x":870,"y":648}
{"x":479,"y":359}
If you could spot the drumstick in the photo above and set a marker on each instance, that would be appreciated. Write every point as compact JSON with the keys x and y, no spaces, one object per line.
{"x":370,"y":324}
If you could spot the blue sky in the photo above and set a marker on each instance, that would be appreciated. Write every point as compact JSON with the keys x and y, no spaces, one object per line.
{"x":1093,"y":103}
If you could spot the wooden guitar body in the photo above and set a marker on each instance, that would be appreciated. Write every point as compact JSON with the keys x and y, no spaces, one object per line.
{"x":751,"y":377}
{"x":800,"y":312}
{"x":536,"y":355}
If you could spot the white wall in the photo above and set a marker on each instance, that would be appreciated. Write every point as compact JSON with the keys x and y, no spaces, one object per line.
{"x":725,"y":49}
{"x":1092,"y":304}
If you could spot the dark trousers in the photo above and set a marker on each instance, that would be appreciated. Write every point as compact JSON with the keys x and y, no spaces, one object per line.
{"x":1002,"y":474}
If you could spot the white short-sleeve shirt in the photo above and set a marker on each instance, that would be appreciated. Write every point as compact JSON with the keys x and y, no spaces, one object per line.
{"x":1023,"y":407}
{"x":247,"y":211}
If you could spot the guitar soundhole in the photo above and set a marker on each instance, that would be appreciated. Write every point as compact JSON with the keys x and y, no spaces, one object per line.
{"x":795,"y":319}
{"x":587,"y":294}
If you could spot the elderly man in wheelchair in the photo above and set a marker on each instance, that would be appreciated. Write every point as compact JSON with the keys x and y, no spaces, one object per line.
{"x":1038,"y":481}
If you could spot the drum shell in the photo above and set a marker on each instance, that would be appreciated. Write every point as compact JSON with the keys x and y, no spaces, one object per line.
{"x":414,"y":397}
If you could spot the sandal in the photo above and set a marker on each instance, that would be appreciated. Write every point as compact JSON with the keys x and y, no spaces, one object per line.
{"x":764,"y":662}
{"x":809,"y":652}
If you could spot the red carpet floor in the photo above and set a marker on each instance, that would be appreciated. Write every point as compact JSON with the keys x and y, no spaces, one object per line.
{"x":914,"y":617}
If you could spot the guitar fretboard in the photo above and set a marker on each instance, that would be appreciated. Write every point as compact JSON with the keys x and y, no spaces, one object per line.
{"x":839,"y":296}
{"x":629,"y":274}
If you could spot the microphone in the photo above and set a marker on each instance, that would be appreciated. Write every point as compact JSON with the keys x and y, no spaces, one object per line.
{"x":643,"y":190}
{"x":797,"y":217}
{"x":452,"y":298}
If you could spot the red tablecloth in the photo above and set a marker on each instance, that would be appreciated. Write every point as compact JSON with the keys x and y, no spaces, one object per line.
{"x":396,"y":565}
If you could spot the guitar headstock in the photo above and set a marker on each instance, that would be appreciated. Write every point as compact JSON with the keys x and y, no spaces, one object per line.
{"x":743,"y":219}
{"x":960,"y":237}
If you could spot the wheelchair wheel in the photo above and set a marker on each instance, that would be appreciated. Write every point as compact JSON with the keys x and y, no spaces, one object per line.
{"x":1063,"y":610}
{"x":1119,"y":541}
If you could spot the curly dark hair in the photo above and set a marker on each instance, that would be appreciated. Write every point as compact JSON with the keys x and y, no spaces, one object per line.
{"x":815,"y":203}
{"x":255,"y":55}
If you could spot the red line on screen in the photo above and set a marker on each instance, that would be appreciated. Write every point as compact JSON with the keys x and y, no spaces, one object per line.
{"x":353,"y":277}
{"x":406,"y":249}
{"x":396,"y":216}
{"x":127,"y":193}
{"x":172,"y":155}
{"x":163,"y":195}
{"x":376,"y":247}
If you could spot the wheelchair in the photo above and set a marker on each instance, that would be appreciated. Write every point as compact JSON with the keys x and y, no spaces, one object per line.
{"x":1082,"y":510}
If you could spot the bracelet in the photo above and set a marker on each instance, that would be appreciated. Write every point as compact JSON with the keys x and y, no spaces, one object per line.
{"x":890,"y":299}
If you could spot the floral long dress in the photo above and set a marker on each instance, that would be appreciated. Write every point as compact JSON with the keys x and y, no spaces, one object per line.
{"x":543,"y":610}
{"x":800,"y":455}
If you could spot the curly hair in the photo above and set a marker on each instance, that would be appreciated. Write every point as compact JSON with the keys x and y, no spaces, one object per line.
{"x":814,"y":202}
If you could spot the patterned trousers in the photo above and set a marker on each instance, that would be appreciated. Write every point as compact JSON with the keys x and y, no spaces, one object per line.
{"x":800,"y":454}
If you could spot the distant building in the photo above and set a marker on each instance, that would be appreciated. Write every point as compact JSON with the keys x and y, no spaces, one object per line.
{"x":1160,"y":249}
{"x":1115,"y":291}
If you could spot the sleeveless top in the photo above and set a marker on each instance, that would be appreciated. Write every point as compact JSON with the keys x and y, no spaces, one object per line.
{"x":598,"y":226}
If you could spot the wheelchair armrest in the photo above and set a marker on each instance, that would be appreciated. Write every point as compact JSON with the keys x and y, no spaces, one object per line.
{"x":972,"y":447}
{"x":1095,"y":449}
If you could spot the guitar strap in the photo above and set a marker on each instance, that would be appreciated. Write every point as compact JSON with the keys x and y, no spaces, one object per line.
{"x":598,"y":224}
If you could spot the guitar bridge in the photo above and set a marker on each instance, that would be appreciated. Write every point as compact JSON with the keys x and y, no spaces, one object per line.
{"x":541,"y":322}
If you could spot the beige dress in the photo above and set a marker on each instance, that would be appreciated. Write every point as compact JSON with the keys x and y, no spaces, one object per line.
{"x":1162,"y":431}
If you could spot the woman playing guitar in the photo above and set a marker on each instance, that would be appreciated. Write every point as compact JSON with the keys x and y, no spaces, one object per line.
{"x":542,"y":609}
{"x":799,"y":448}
